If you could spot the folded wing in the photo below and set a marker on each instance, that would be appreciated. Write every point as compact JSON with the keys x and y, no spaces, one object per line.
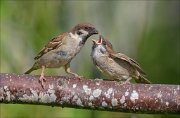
{"x":53,"y":44}
{"x":131,"y":62}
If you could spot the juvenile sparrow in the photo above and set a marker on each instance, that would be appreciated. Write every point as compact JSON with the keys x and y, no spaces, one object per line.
{"x":115,"y":65}
{"x":62,"y":49}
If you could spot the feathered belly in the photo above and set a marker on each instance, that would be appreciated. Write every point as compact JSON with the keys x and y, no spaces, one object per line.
{"x":58,"y":58}
{"x":111,"y":69}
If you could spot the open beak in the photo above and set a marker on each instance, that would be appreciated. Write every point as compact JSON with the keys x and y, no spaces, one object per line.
{"x":97,"y":42}
{"x":94,"y":41}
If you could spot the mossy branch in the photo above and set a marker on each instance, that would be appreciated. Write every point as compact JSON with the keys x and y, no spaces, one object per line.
{"x":90,"y":94}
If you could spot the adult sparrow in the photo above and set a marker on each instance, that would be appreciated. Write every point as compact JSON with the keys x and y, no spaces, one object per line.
{"x":60,"y":50}
{"x":115,"y":65}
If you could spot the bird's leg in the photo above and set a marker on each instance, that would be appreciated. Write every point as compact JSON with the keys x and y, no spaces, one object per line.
{"x":127,"y":80}
{"x":68,"y":70}
{"x":42,"y":79}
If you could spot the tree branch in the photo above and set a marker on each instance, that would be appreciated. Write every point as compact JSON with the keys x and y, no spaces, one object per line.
{"x":90,"y":94}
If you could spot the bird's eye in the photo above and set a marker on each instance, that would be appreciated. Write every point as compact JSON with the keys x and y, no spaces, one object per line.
{"x":79,"y":33}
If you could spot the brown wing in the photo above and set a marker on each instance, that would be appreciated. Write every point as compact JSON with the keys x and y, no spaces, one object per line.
{"x":121,"y":56}
{"x":54,"y":43}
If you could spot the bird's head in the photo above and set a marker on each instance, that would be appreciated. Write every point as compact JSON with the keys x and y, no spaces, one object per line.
{"x":84,"y":31}
{"x":102,"y":45}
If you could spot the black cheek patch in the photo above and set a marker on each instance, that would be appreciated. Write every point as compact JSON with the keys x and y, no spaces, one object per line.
{"x":82,"y":42}
{"x":61,"y":53}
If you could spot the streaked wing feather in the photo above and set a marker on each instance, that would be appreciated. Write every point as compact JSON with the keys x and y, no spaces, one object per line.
{"x":129,"y":60}
{"x":53,"y":44}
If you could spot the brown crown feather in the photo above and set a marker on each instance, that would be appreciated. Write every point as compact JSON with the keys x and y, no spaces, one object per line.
{"x":86,"y":26}
{"x":109,"y":46}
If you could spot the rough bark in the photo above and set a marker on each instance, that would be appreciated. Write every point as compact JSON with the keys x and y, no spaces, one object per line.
{"x":90,"y":94}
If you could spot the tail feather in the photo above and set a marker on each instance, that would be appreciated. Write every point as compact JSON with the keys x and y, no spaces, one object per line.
{"x":30,"y":70}
{"x":142,"y":79}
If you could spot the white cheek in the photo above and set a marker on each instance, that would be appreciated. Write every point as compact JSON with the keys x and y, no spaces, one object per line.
{"x":85,"y":33}
{"x":75,"y":36}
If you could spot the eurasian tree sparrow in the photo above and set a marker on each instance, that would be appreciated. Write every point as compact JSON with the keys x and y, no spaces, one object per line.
{"x":62,"y":49}
{"x":115,"y":65}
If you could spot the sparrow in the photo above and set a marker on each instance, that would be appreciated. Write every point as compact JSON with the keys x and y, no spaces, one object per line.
{"x":116,"y":66}
{"x":60,"y":50}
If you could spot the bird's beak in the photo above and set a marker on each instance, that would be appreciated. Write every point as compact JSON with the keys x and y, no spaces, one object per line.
{"x":94,"y":31}
{"x":94,"y":41}
{"x":97,"y":42}
{"x":100,"y":39}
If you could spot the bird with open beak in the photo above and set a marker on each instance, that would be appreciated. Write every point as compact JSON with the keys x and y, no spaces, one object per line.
{"x":116,"y":66}
{"x":59,"y":51}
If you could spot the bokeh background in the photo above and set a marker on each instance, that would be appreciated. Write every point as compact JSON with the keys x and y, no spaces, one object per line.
{"x":148,"y":31}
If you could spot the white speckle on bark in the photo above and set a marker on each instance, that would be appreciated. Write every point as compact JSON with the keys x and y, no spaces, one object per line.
{"x":8,"y":97}
{"x":90,"y":104}
{"x":126,"y":93}
{"x":97,"y":93}
{"x":104,"y":104}
{"x":63,"y":99}
{"x":107,"y":95}
{"x":75,"y":98}
{"x":97,"y":83}
{"x":167,"y":103}
{"x":91,"y":98}
{"x":87,"y":90}
{"x":110,"y":90}
{"x":5,"y":88}
{"x":78,"y":102}
{"x":73,"y":93}
{"x":51,"y":86}
{"x":44,"y":97}
{"x":1,"y":94}
{"x":175,"y":92}
{"x":114,"y":102}
{"x":8,"y":94}
{"x":51,"y":91}
{"x":74,"y":85}
{"x":33,"y":97}
{"x":122,"y":100}
{"x":134,"y":96}
{"x":159,"y":95}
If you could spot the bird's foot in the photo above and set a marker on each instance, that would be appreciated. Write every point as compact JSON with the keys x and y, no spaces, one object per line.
{"x":77,"y":76}
{"x":125,"y":82}
{"x":42,"y":81}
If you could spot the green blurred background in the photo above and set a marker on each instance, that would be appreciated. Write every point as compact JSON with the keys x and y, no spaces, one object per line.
{"x":148,"y":31}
